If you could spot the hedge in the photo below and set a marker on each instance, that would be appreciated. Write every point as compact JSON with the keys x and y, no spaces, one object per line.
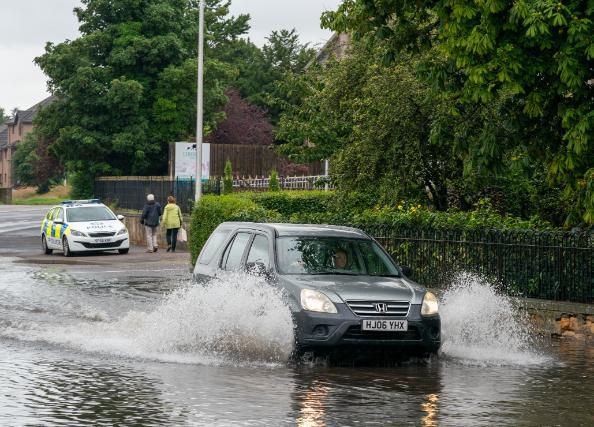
{"x":213,"y":210}
{"x":319,"y":207}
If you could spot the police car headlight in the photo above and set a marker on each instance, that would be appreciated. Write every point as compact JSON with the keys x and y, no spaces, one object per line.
{"x":122,"y":231}
{"x":316,"y":301}
{"x":78,"y":233}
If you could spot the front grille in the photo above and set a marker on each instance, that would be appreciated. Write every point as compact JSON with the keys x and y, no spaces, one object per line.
{"x":101,"y":245}
{"x":355,"y":332}
{"x":101,"y":234}
{"x":370,"y":308}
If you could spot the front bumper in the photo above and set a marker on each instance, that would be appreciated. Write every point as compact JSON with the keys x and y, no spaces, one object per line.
{"x":81,"y":244}
{"x":320,"y":330}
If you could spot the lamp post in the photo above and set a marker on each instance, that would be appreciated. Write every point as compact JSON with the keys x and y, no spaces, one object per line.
{"x":200,"y":102}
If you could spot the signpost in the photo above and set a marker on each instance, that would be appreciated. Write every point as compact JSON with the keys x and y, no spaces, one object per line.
{"x":186,"y":160}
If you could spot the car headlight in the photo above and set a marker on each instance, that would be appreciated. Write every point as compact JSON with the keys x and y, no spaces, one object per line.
{"x":316,"y":301}
{"x":122,"y":231}
{"x":77,"y":233}
{"x":430,"y":305}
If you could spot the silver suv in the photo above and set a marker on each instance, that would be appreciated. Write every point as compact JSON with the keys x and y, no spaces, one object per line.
{"x":342,"y":287}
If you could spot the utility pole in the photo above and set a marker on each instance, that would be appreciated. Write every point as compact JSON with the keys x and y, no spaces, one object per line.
{"x":200,"y":102}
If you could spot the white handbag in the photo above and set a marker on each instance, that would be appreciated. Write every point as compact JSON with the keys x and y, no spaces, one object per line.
{"x":182,"y":236}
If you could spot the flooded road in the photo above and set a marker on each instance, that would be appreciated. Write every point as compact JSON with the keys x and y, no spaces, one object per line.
{"x":93,"y":347}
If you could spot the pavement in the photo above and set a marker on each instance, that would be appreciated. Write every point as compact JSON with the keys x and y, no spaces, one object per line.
{"x":20,"y":239}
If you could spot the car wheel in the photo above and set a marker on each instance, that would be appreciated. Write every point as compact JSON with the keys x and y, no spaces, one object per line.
{"x":44,"y":247}
{"x":66,"y":247}
{"x":124,"y":251}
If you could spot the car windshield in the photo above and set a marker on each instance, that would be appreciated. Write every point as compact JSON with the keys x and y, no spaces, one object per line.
{"x":91,"y":213}
{"x":332,"y":255}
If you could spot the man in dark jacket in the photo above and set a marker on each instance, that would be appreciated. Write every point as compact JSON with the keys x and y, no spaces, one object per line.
{"x":150,"y":218}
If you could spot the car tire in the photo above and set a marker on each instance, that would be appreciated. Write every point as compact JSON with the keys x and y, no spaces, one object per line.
{"x":66,"y":247}
{"x":44,"y":247}
{"x":123,"y":251}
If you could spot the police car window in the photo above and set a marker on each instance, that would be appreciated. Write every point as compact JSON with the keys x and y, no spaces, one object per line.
{"x":90,"y":213}
{"x":50,"y":214}
{"x":234,"y":253}
{"x":59,"y":214}
{"x":259,"y":251}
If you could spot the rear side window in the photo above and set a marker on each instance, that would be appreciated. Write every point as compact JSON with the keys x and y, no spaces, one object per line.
{"x":59,"y":214}
{"x":210,"y":249}
{"x":234,"y":253}
{"x":259,"y":251}
{"x":50,"y":214}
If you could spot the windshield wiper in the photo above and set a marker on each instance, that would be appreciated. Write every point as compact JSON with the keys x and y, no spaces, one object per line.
{"x":337,"y":273}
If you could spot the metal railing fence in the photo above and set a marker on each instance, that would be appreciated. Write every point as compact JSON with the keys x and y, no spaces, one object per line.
{"x":130,"y":192}
{"x":528,"y":263}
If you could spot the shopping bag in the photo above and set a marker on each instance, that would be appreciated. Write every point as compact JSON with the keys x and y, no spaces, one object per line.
{"x":182,"y":236}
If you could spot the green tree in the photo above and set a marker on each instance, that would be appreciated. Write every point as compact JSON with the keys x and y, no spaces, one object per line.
{"x":126,"y":87}
{"x":389,"y":133}
{"x":228,"y":178}
{"x":3,"y":116}
{"x":538,"y":55}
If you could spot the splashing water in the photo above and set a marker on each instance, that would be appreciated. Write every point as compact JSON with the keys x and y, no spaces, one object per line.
{"x":237,"y":319}
{"x":481,"y":326}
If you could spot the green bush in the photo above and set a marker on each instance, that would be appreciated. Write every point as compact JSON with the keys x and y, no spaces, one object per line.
{"x":228,"y":178}
{"x":273,"y":184}
{"x":288,"y":203}
{"x":319,"y":207}
{"x":210,"y":211}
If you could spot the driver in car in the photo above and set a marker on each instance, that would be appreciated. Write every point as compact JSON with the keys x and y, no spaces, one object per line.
{"x":340,"y":259}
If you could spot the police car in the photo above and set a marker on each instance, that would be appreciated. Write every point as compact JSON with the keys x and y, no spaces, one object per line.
{"x":83,"y":226}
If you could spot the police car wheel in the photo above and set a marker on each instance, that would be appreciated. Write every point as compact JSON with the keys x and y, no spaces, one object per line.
{"x":44,"y":246}
{"x":66,"y":247}
{"x":123,"y":251}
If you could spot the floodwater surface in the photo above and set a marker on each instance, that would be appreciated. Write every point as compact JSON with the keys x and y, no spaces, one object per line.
{"x":158,"y":351}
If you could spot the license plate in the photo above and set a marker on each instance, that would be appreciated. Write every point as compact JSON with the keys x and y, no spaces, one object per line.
{"x":384,"y":325}
{"x":102,"y":240}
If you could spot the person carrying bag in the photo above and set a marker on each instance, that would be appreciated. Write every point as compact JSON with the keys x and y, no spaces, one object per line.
{"x":172,"y":221}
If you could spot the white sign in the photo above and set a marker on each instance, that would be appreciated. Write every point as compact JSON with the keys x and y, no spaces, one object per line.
{"x":185,"y":160}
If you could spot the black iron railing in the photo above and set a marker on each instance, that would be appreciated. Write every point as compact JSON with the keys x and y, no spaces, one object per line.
{"x":528,"y":263}
{"x":131,"y":192}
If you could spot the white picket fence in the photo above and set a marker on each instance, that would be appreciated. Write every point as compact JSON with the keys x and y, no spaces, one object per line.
{"x":314,"y":182}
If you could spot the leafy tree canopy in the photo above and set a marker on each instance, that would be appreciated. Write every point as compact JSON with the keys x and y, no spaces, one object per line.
{"x":537,"y":54}
{"x":127,"y":86}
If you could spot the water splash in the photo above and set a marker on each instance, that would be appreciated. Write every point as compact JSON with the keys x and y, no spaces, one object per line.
{"x":482,"y":326}
{"x":238,"y":319}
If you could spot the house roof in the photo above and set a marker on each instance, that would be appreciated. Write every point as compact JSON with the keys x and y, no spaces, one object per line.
{"x":27,"y":116}
{"x":3,"y":135}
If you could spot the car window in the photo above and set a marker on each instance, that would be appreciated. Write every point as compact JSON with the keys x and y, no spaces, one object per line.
{"x":90,"y":213}
{"x":259,"y":251}
{"x":332,"y":255}
{"x":234,"y":252}
{"x":59,"y":214}
{"x":50,"y":214}
{"x":210,"y":249}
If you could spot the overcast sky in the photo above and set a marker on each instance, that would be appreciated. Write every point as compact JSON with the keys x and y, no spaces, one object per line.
{"x":25,"y":27}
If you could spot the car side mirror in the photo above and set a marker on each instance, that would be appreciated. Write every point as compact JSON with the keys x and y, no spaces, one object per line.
{"x":407,"y":271}
{"x":257,"y":268}
{"x":58,"y":221}
{"x":121,"y":217}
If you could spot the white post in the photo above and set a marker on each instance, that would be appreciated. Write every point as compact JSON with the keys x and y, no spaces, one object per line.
{"x":200,"y":102}
{"x":326,"y":167}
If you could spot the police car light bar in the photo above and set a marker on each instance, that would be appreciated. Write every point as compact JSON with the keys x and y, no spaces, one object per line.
{"x":80,"y":202}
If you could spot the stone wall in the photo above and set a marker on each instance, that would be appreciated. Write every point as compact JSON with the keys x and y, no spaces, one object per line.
{"x":6,"y":195}
{"x":137,"y":234}
{"x":561,"y":319}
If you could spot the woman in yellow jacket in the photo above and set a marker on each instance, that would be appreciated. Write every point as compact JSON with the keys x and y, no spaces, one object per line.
{"x":172,"y":221}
